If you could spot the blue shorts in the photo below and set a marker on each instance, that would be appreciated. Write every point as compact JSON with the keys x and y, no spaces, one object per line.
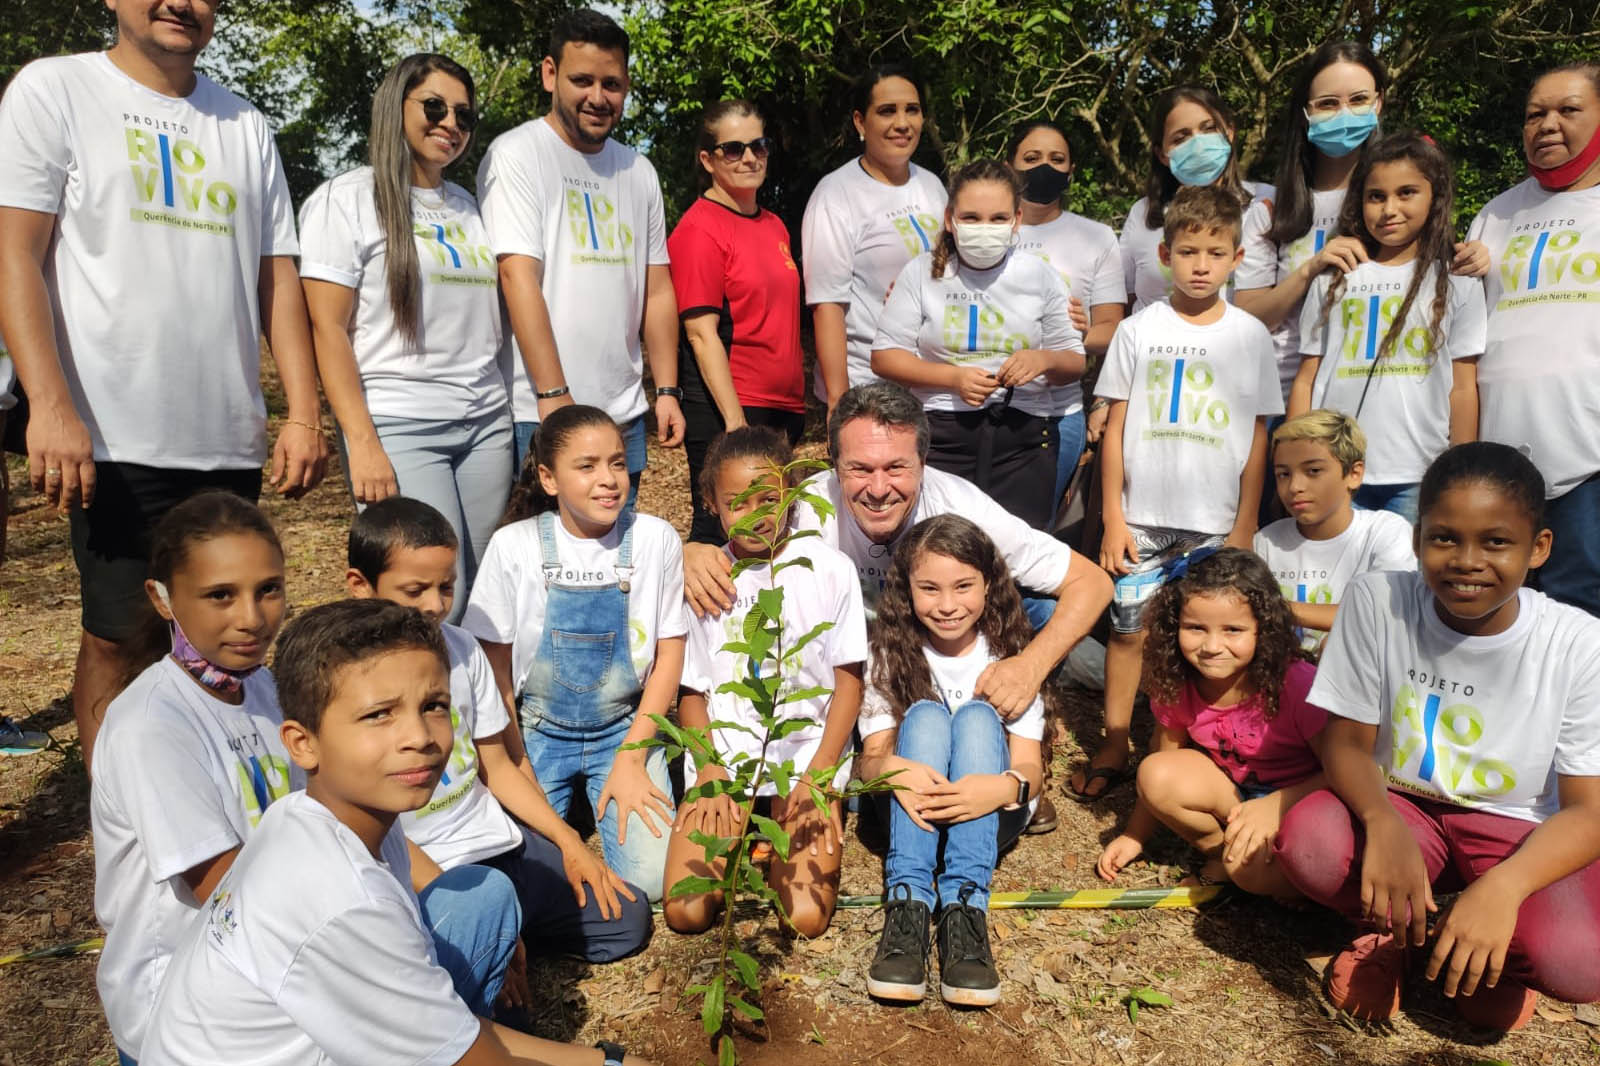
{"x":1160,"y":552}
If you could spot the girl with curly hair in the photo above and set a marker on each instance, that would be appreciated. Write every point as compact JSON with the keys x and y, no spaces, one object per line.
{"x":1224,"y":673}
{"x":967,"y":780}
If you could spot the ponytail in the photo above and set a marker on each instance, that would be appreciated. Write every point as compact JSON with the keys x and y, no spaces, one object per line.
{"x":528,"y":497}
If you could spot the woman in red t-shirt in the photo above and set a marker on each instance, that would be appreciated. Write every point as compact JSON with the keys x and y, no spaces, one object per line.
{"x":738,"y":297}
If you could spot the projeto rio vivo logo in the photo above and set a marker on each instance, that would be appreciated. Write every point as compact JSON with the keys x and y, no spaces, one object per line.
{"x":1179,"y":393}
{"x":1366,"y":321}
{"x":1434,"y":742}
{"x":977,"y":328}
{"x":917,"y":231}
{"x":1547,"y":259}
{"x":456,"y":257}
{"x":599,"y":235}
{"x":169,"y":181}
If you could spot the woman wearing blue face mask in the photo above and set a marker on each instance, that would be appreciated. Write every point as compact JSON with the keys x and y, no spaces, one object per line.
{"x":1288,"y":238}
{"x":1191,"y":143}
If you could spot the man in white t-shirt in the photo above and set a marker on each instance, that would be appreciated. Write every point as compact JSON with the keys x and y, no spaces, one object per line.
{"x":146,"y":241}
{"x":880,"y":487}
{"x":577,"y":224}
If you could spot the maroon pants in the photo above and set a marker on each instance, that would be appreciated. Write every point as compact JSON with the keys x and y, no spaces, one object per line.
{"x":1556,"y":946}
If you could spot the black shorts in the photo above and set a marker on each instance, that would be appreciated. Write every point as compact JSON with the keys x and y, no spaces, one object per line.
{"x":111,"y":540}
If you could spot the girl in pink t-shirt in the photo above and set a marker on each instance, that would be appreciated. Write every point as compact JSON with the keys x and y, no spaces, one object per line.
{"x":1236,"y":744}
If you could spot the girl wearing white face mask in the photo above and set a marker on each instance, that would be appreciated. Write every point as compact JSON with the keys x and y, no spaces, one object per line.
{"x":981,"y":333}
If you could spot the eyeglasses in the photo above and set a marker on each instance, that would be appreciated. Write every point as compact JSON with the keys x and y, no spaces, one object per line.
{"x":733,"y":151}
{"x":434,"y":109}
{"x":1324,"y":108}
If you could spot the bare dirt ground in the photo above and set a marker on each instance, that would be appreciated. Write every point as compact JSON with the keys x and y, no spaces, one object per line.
{"x":1242,"y":973}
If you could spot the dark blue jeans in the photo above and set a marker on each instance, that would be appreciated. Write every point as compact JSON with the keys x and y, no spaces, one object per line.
{"x":552,"y":921}
{"x":1572,"y":574}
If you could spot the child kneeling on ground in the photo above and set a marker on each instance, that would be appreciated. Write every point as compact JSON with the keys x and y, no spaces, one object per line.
{"x":820,"y":588}
{"x":967,"y":780}
{"x":311,"y":949}
{"x":404,"y":551}
{"x":1462,"y":755}
{"x":1224,"y":673}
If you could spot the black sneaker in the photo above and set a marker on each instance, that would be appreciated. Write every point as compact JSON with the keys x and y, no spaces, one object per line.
{"x":967,"y":976}
{"x":900,"y":968}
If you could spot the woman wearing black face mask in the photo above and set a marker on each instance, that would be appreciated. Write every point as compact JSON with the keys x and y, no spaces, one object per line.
{"x":1086,"y":255}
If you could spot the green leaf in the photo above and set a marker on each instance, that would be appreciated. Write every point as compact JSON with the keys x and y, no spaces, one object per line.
{"x":727,"y":1055}
{"x":815,"y":1036}
{"x":799,"y":560}
{"x":740,"y":726}
{"x":749,"y":1010}
{"x":788,"y":726}
{"x":694,"y":886}
{"x":771,"y":602}
{"x":711,"y":1008}
{"x":812,"y":634}
{"x":780,"y":778}
{"x":740,"y":688}
{"x":773,"y":832}
{"x":1133,"y":1011}
{"x":749,"y":973}
{"x":800,"y":695}
{"x":716,"y":848}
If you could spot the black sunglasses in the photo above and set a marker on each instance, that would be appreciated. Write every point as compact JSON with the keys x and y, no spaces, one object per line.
{"x":434,"y":109}
{"x":733,"y":151}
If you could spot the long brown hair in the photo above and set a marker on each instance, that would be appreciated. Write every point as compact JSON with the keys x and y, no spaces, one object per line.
{"x":1435,"y":244}
{"x":390,"y":156}
{"x":899,"y":668}
{"x":1226,"y":572}
{"x":1160,"y":187}
{"x":975,"y":171}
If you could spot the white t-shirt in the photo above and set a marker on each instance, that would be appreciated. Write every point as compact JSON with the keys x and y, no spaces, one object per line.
{"x":597,"y":224}
{"x":463,"y":822}
{"x":1038,"y":562}
{"x":955,"y":677}
{"x":856,"y":235}
{"x":1086,"y":255}
{"x":508,"y":595}
{"x":1318,"y":571}
{"x":1406,"y":411}
{"x":1482,"y":722}
{"x":1145,"y":280}
{"x":978,"y":318}
{"x":165,"y":207}
{"x":827,"y":591}
{"x":311,"y":952}
{"x":179,"y":778}
{"x":1539,"y":379}
{"x":1266,"y":264}
{"x":454,"y":370}
{"x":1194,"y":394}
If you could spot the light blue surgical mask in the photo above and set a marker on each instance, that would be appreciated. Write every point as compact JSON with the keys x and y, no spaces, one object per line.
{"x":1201,"y":159}
{"x":1342,"y":134}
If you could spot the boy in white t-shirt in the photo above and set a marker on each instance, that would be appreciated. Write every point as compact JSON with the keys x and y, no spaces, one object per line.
{"x":577,"y":222}
{"x":404,"y":551}
{"x":287,"y":970}
{"x":1318,"y":459}
{"x":1192,"y":381}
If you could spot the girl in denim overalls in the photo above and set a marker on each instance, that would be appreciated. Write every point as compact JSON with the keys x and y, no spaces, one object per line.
{"x":579,"y":606}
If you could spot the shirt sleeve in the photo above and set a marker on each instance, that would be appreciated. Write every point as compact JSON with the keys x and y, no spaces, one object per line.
{"x":875,"y":716}
{"x":1029,"y":725}
{"x":1468,"y":320}
{"x":39,"y":147}
{"x":376,"y":953}
{"x":847,"y":641}
{"x":901,"y":321}
{"x":1056,"y":329}
{"x":170,"y":793}
{"x":491,"y":613}
{"x":331,"y":248}
{"x":1349,"y":678}
{"x":826,"y":242}
{"x":657,"y":224}
{"x":1269,"y":390}
{"x":670,"y":611}
{"x":1259,"y":270}
{"x":1108,"y":282}
{"x":1116,"y":375}
{"x":511,"y":201}
{"x":277,"y":207}
{"x":1314,"y":325}
{"x":1475,"y":231}
{"x":1393,"y":551}
{"x":1578,"y":743}
{"x":1172,"y":715}
{"x":1130,"y":264}
{"x":699,"y":657}
{"x":489,"y":710}
{"x":699,"y":267}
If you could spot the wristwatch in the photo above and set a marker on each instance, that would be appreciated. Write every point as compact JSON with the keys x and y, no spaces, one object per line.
{"x":669,"y":390}
{"x":614,"y":1053}
{"x":550,"y":394}
{"x":1022,"y":790}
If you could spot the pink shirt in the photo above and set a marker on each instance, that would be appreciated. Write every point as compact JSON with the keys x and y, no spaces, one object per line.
{"x":1251,"y":749}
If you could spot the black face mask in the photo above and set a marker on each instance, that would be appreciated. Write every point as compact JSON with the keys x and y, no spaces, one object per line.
{"x":1044,"y":184}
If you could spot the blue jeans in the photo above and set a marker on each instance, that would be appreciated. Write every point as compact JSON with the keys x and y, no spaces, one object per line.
{"x":970,"y":741}
{"x":1399,"y":499}
{"x":473,"y":913}
{"x":1074,"y":433}
{"x":460,"y":468}
{"x":552,"y":921}
{"x":563,"y":761}
{"x":633,"y":439}
{"x":1572,"y":574}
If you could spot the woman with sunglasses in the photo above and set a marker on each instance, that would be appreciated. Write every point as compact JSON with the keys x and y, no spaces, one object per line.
{"x":863,"y":223}
{"x":738,"y":298}
{"x":405,"y":312}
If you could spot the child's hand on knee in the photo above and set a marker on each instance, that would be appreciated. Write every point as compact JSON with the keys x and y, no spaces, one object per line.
{"x":630,"y":787}
{"x":913,"y":780}
{"x":1252,"y":827}
{"x":1395,"y":892}
{"x":1122,"y":850}
{"x":1119,"y":553}
{"x":807,"y":824}
{"x":1474,"y":936}
{"x":714,"y":815}
{"x":584,"y":868}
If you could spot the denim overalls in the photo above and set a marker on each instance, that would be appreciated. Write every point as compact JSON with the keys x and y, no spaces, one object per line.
{"x":579,"y":699}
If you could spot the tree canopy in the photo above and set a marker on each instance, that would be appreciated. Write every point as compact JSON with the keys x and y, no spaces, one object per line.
{"x":1460,"y":69}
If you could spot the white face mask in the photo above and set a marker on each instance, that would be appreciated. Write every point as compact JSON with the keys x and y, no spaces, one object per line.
{"x":983,"y":244}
